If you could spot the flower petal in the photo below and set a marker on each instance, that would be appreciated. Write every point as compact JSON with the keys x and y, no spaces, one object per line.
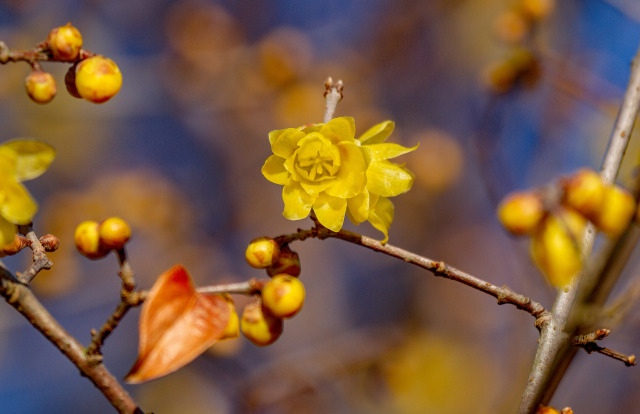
{"x":32,"y":157}
{"x":388,"y":179}
{"x":18,"y":207}
{"x":377,"y":133}
{"x":284,"y":142}
{"x":381,"y":217}
{"x":297,"y":203}
{"x":274,"y":171}
{"x":330,"y":211}
{"x":340,"y":129}
{"x":379,"y":152}
{"x":358,"y":207}
{"x":7,"y":231}
{"x":351,"y":177}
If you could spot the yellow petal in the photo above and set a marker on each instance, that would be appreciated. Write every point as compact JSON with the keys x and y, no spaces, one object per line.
{"x":297,"y":203}
{"x":17,"y":207}
{"x":381,"y":217}
{"x":285,"y":141}
{"x":330,"y":211}
{"x":377,"y":133}
{"x":351,"y":177}
{"x":339,"y":129}
{"x":32,"y":157}
{"x":388,"y":179}
{"x":7,"y":232}
{"x":358,"y":207}
{"x":316,"y":187}
{"x":274,"y":171}
{"x":381,"y":152}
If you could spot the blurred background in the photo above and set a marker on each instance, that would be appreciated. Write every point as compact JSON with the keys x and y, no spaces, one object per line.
{"x":501,"y":95}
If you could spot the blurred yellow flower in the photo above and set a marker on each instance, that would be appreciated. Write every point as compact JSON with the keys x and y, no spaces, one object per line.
{"x":19,"y":161}
{"x":325,"y":169}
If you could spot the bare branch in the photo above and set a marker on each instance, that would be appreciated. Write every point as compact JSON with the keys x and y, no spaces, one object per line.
{"x":332,"y":95}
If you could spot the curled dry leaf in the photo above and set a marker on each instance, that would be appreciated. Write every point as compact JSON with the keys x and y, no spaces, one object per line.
{"x":177,"y":324}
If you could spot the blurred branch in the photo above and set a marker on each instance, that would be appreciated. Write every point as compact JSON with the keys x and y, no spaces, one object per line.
{"x":554,"y":341}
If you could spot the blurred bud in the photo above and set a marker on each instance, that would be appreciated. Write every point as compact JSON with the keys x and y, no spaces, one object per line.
{"x":98,"y":79}
{"x":584,"y":191}
{"x":511,"y":26}
{"x":617,"y":210}
{"x":262,"y":252}
{"x":50,"y":242}
{"x":65,"y":42}
{"x":547,"y":410}
{"x":556,"y":246}
{"x":537,"y":9}
{"x":40,"y":86}
{"x":521,"y":212}
{"x":15,"y":246}
{"x":288,"y":262}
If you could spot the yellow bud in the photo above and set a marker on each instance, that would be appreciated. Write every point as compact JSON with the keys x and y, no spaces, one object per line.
{"x":500,"y":76}
{"x":584,"y":191}
{"x":114,"y":233}
{"x":15,"y":246}
{"x":288,"y":262}
{"x":65,"y":42}
{"x":87,"y":239}
{"x":232,"y":329}
{"x":40,"y":86}
{"x":511,"y":26}
{"x":259,"y":327}
{"x":617,"y":209}
{"x":262,"y":252}
{"x":283,"y":296}
{"x":521,"y":212}
{"x":556,"y":245}
{"x":98,"y":79}
{"x":547,"y":410}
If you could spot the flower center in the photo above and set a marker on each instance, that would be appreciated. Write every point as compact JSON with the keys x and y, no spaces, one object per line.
{"x":317,"y":161}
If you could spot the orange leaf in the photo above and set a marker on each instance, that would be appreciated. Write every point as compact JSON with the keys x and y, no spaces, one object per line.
{"x":177,"y":324}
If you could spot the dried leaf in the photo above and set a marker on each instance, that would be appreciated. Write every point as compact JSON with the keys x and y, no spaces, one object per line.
{"x":177,"y":324}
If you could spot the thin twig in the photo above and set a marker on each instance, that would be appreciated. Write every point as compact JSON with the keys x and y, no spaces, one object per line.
{"x":503,"y":293}
{"x":40,"y":259}
{"x":249,"y":287}
{"x":129,"y":298}
{"x":554,"y":336}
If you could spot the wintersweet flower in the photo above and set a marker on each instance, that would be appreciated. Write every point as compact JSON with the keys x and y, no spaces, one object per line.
{"x":19,"y":161}
{"x":325,"y":169}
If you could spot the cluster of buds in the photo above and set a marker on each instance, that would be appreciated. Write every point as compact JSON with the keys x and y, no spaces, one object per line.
{"x":280,"y":298}
{"x":556,"y":224}
{"x":515,"y":27}
{"x":92,"y":77}
{"x":95,"y":239}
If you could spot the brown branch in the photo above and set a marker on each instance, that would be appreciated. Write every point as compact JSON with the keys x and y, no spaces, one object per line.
{"x":24,"y":301}
{"x":40,"y":259}
{"x":588,"y":343}
{"x":503,"y":293}
{"x":249,"y":287}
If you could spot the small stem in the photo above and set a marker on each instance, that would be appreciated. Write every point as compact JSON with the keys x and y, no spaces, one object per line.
{"x":332,"y":95}
{"x":241,"y":288}
{"x":40,"y":259}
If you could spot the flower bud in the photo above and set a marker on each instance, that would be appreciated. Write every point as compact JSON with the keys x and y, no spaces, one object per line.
{"x":547,"y":410}
{"x":232,"y":329}
{"x":114,"y":233}
{"x":50,"y":242}
{"x":65,"y":42}
{"x":98,"y":79}
{"x":259,"y":327}
{"x":556,"y":246}
{"x":617,"y":209}
{"x":87,"y":239}
{"x":521,"y":212}
{"x":584,"y":192}
{"x":288,"y":262}
{"x":70,"y":82}
{"x":283,"y":296}
{"x":40,"y":86}
{"x":15,"y":246}
{"x":262,"y":252}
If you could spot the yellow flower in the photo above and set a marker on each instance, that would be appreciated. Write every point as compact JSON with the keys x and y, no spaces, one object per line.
{"x":19,"y":161}
{"x":325,"y":169}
